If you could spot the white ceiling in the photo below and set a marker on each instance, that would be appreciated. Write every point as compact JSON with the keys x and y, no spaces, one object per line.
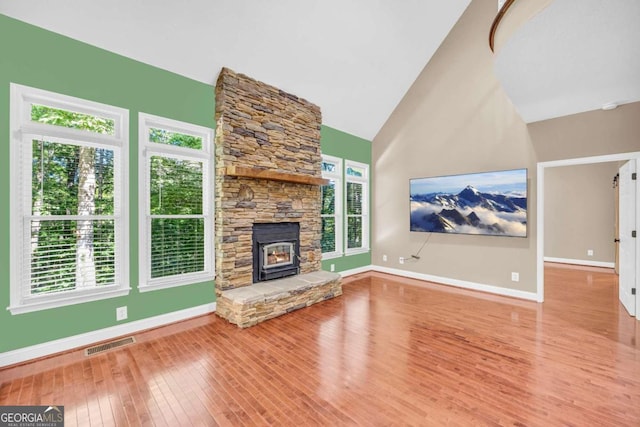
{"x":574,"y":56}
{"x":354,"y":58}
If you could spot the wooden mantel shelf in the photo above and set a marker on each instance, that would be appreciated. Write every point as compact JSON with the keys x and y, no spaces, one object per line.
{"x":246,"y":172}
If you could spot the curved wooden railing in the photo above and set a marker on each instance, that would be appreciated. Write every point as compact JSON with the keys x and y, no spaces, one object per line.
{"x":496,"y":22}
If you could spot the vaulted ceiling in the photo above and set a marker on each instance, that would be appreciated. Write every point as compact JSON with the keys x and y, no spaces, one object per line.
{"x":573,"y":56}
{"x":354,"y":58}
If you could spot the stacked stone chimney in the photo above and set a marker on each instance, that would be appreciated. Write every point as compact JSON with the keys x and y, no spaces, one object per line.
{"x":267,"y":145}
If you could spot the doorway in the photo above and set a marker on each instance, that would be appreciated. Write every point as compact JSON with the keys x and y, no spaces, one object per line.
{"x":634,"y":262}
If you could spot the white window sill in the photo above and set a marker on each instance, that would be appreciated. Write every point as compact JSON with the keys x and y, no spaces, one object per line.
{"x":356,"y":251}
{"x":331,"y":255}
{"x":175,"y":281}
{"x":45,"y":302}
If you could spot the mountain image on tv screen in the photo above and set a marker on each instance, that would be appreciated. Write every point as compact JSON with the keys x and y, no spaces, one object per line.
{"x":489,"y":203}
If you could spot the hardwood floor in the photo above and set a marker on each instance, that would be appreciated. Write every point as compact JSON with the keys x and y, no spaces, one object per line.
{"x":390,"y":351}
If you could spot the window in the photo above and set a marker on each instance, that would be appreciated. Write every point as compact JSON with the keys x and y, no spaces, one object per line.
{"x":176,"y":224}
{"x":357,"y":218}
{"x":69,"y":227}
{"x":331,"y":242}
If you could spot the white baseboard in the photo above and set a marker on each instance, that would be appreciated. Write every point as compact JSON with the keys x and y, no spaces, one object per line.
{"x":459,"y":283}
{"x":64,"y":344}
{"x":588,"y":263}
{"x":358,"y":270}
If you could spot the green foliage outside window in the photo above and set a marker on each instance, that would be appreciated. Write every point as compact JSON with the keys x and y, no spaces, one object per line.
{"x":328,"y":208}
{"x":176,"y":186}
{"x":71,"y":180}
{"x":354,"y":232}
{"x":71,"y":119}
{"x":163,"y":136}
{"x":354,"y":198}
{"x":354,"y":171}
{"x":354,"y":215}
{"x":177,"y":244}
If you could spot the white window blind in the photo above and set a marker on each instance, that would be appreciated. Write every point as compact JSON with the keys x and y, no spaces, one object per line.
{"x":176,"y":220}
{"x":331,"y":209}
{"x":67,"y":174}
{"x":357,"y":196}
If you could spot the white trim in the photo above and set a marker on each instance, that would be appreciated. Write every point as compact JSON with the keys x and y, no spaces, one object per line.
{"x":357,"y":251}
{"x":498,"y":290}
{"x":21,"y":128}
{"x":586,"y":262}
{"x":337,"y":161}
{"x":540,"y":212}
{"x":351,"y":272}
{"x":357,"y":165}
{"x":178,"y":126}
{"x":335,"y":176}
{"x":540,"y":233}
{"x":331,"y":255}
{"x":62,"y":299}
{"x":30,"y":95}
{"x":590,"y":160}
{"x":146,"y":149}
{"x":48,"y":348}
{"x":70,"y":134}
{"x":364,"y":180}
{"x":176,"y":281}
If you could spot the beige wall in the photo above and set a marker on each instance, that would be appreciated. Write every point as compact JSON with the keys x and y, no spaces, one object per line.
{"x":594,"y":133}
{"x":579,"y":212}
{"x":457,"y":119}
{"x":454,"y":119}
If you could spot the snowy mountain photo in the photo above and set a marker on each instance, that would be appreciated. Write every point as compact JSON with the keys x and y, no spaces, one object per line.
{"x":492,"y":203}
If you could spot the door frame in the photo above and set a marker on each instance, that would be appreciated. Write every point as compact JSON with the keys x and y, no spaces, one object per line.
{"x":541,"y":166}
{"x":616,"y":262}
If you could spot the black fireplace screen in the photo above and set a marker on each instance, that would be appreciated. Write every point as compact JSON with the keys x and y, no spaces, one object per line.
{"x":276,"y":250}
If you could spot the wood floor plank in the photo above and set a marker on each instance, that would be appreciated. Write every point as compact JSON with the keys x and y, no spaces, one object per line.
{"x":390,"y":351}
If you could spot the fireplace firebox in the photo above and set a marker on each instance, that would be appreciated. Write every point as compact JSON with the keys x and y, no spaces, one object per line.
{"x":276,"y":250}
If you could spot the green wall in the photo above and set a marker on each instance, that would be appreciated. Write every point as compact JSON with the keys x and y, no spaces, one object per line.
{"x":35,"y":57}
{"x":336,"y":143}
{"x":346,"y":146}
{"x":38,"y":58}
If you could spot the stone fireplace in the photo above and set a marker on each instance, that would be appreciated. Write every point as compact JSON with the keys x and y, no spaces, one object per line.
{"x":268,"y":182}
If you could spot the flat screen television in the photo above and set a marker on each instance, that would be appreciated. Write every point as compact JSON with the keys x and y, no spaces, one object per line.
{"x":487,"y":203}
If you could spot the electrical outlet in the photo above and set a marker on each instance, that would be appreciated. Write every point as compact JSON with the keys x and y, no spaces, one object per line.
{"x":333,"y":267}
{"x":589,"y":252}
{"x":121,"y":313}
{"x":401,"y":260}
{"x":384,"y":258}
{"x":515,"y":277}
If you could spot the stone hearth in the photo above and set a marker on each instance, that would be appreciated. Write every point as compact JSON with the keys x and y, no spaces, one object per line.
{"x":249,"y":305}
{"x":268,"y":162}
